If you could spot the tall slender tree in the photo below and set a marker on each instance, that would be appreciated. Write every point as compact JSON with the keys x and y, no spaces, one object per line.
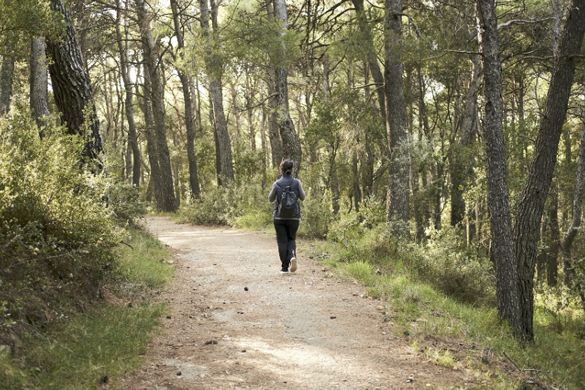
{"x":541,"y":171}
{"x":291,"y":146}
{"x":515,"y":259}
{"x":38,"y":80}
{"x":6,"y":77}
{"x":122,"y":41}
{"x":187,"y":85}
{"x":398,"y":155}
{"x":214,"y":68}
{"x":153,"y":71}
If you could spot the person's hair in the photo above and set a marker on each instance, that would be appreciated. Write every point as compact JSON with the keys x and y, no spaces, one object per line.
{"x":286,"y":167}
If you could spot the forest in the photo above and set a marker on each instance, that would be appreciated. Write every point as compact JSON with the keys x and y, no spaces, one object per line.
{"x":443,"y":136}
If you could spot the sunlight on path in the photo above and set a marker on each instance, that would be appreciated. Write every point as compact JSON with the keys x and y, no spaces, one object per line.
{"x":235,"y":322}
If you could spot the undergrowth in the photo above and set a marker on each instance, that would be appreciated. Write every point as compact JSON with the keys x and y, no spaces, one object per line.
{"x":86,"y":350}
{"x":143,"y":263}
{"x":441,"y":292}
{"x":61,"y":228}
{"x":453,"y":330}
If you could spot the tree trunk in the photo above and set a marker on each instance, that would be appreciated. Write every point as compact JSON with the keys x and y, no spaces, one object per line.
{"x":356,"y":191}
{"x":6,"y":77}
{"x":38,"y":80}
{"x":214,"y":69}
{"x":273,"y":133}
{"x":290,"y":142}
{"x":235,"y":113}
{"x":540,"y":174}
{"x":156,"y":92}
{"x":128,"y":95}
{"x":155,"y":183}
{"x":398,"y":154}
{"x":372,"y":59}
{"x":552,"y":253}
{"x":250,"y":93}
{"x":72,"y":87}
{"x":571,"y":233}
{"x":460,"y":159}
{"x":501,"y":249}
{"x":187,"y":84}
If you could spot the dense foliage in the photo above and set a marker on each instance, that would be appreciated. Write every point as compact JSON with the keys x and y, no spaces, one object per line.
{"x":414,"y":149}
{"x":57,"y":226}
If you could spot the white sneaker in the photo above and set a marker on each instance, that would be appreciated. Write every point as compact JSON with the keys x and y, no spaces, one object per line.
{"x":293,"y":264}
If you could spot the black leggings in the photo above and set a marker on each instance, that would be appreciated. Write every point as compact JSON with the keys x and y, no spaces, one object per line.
{"x":286,"y":234}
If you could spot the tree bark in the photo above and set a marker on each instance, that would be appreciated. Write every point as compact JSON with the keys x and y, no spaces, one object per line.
{"x":38,"y":80}
{"x":290,"y":142}
{"x":540,"y":174}
{"x":273,"y":133}
{"x":152,"y":61}
{"x":250,"y":94}
{"x":460,"y":159}
{"x":571,"y":233}
{"x":398,"y":154}
{"x":6,"y":77}
{"x":214,"y":69}
{"x":552,"y":252}
{"x":72,"y":87}
{"x":155,"y":183}
{"x":372,"y":59}
{"x":355,"y":174}
{"x":502,"y":253}
{"x":128,"y":95}
{"x":187,"y":85}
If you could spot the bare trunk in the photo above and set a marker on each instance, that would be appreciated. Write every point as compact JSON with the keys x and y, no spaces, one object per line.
{"x":250,"y":93}
{"x":187,"y":85}
{"x":552,"y":253}
{"x":356,"y":191}
{"x":461,"y":166}
{"x":38,"y":80}
{"x":128,"y":96}
{"x":6,"y":77}
{"x":501,"y":250}
{"x":214,"y":69}
{"x":571,"y":233}
{"x":398,"y":154}
{"x":156,"y":92}
{"x":290,"y":142}
{"x":540,"y":174}
{"x":155,"y":183}
{"x":72,"y":87}
{"x":372,"y":59}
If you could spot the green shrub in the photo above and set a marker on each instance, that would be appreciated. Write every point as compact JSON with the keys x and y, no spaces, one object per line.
{"x":443,"y":260}
{"x":458,"y":271}
{"x":316,"y":215}
{"x":246,"y":206}
{"x":56,"y":236}
{"x":211,"y":209}
{"x":123,"y":199}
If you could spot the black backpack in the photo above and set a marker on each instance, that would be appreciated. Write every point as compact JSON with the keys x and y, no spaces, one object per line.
{"x":287,"y":207}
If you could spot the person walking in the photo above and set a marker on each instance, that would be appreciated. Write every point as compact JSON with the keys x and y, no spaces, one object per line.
{"x":286,"y":193}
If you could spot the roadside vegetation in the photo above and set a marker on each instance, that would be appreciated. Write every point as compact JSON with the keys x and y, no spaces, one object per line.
{"x":76,"y":273}
{"x":438,"y":295}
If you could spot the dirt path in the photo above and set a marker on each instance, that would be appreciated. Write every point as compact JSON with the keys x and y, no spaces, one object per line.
{"x":235,"y":322}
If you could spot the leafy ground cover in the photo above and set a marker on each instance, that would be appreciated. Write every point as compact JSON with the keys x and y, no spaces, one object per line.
{"x":91,"y":348}
{"x":462,"y":334}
